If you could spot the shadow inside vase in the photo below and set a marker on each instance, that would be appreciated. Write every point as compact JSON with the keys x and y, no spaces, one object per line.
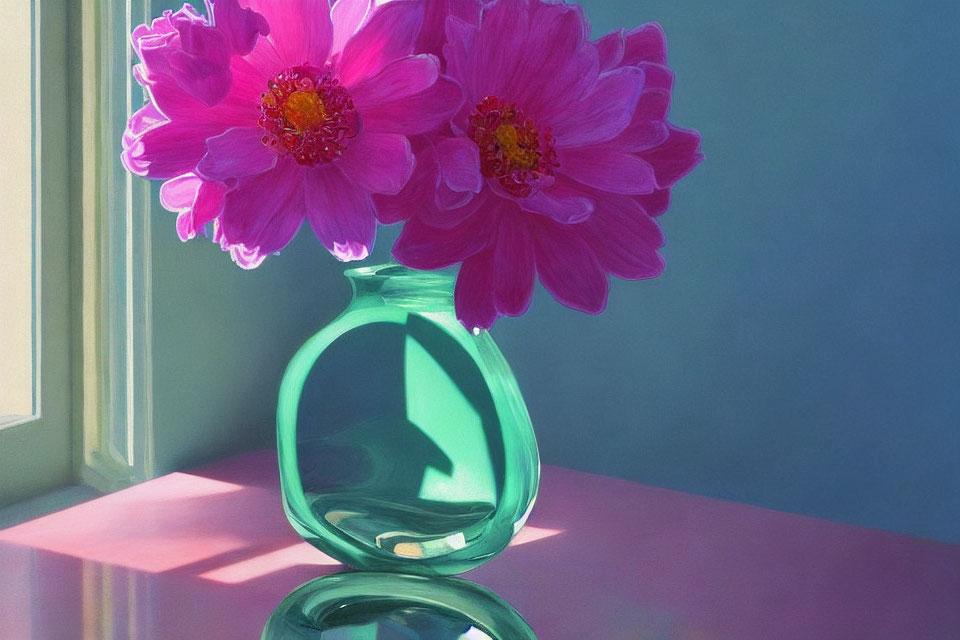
{"x":399,"y":444}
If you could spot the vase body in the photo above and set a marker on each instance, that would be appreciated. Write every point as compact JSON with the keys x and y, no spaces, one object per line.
{"x":403,"y":440}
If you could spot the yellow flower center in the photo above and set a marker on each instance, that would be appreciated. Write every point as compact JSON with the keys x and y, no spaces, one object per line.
{"x":304,"y":110}
{"x":523,"y":156}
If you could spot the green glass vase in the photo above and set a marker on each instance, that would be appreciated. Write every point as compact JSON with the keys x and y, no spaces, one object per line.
{"x":378,"y":606}
{"x":403,"y":439}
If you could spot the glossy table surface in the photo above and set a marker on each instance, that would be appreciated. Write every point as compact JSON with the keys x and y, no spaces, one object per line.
{"x":208,"y":554}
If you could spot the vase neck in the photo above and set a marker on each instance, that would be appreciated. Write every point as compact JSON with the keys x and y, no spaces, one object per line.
{"x":393,"y":284}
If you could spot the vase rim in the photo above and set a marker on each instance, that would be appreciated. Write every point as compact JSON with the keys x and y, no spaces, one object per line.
{"x":396,"y":284}
{"x":393,"y":271}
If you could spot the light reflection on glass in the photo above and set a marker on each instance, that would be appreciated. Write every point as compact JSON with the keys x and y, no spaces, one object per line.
{"x":474,"y":634}
{"x":372,"y":606}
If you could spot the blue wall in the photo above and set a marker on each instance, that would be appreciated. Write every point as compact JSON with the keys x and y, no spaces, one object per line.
{"x":802,"y":349}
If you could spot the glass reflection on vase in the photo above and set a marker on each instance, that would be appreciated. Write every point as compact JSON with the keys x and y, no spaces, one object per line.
{"x":403,"y":439}
{"x":384,"y":606}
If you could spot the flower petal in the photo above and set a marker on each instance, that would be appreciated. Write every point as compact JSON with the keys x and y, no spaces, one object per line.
{"x":175,"y":103}
{"x":676,"y":157}
{"x":497,"y":51}
{"x":646,"y":43}
{"x":534,"y":52}
{"x":514,"y":266}
{"x":179,"y":193}
{"x":422,"y":195}
{"x":656,"y":203}
{"x":165,"y":92}
{"x":560,"y":202}
{"x":417,"y":194}
{"x":202,"y":65}
{"x":432,"y":35}
{"x":236,"y":153}
{"x":568,"y":268}
{"x":460,"y":164}
{"x":625,"y":239}
{"x":656,"y":76}
{"x":143,"y":119}
{"x":604,"y":113}
{"x":162,"y":31}
{"x":556,"y":28}
{"x":397,"y":80}
{"x":553,"y":66}
{"x":300,"y":30}
{"x":421,"y":246}
{"x":447,"y":199}
{"x":654,"y":104}
{"x":347,"y":17}
{"x":241,"y":27}
{"x":378,"y":162}
{"x":446,"y":216}
{"x":195,"y":200}
{"x":562,"y":88}
{"x":609,"y":169}
{"x":610,"y":49}
{"x":473,"y":294}
{"x":643,"y":133}
{"x":244,"y":257}
{"x":341,"y":213}
{"x":461,"y":37}
{"x":252,"y":72}
{"x":259,"y":201}
{"x":283,"y":226}
{"x":181,"y":52}
{"x":167,"y":150}
{"x":208,"y":206}
{"x":419,"y":113}
{"x":389,"y":34}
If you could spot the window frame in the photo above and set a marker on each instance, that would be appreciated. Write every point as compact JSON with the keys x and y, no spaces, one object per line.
{"x":93,"y":417}
{"x":115,"y":425}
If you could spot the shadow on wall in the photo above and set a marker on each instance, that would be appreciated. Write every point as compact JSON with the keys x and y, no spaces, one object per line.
{"x":223,"y":336}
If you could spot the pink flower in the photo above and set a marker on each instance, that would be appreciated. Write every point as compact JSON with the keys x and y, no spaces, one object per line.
{"x":182,"y":50}
{"x":275,"y":112}
{"x":555,"y":166}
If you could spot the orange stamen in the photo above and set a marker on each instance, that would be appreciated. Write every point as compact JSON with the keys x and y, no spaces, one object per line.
{"x":304,"y":110}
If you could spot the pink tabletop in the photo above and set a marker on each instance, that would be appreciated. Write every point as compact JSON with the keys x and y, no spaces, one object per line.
{"x":208,"y":554}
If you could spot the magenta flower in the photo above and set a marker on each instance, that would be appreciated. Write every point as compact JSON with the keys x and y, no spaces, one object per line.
{"x":554,"y":167}
{"x":275,"y":112}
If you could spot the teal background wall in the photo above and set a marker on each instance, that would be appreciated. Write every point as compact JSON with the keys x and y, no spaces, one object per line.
{"x":222,"y":338}
{"x":801,"y":352}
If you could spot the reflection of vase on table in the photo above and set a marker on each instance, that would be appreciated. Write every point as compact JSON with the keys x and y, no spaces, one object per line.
{"x":372,"y":606}
{"x":404,"y":442}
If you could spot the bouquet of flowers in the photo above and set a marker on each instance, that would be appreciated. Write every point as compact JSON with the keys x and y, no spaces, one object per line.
{"x":501,"y":136}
